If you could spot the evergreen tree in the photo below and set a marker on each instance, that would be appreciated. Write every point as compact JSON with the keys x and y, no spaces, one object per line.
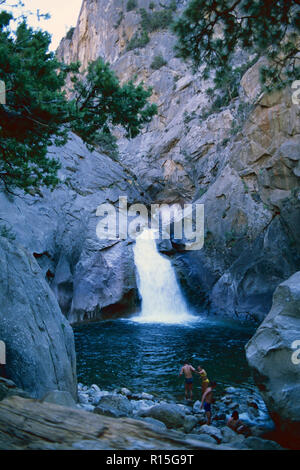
{"x":210,"y":32}
{"x":37,"y":112}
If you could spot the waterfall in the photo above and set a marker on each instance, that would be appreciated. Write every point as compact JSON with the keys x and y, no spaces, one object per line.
{"x":162,"y":301}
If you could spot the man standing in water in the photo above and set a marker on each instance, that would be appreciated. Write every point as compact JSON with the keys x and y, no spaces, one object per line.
{"x":207,"y":400}
{"x":188,"y":370}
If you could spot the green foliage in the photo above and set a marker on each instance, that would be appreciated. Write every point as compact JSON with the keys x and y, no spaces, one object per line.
{"x":120,"y":19}
{"x":107,"y":144}
{"x":100,"y":101}
{"x":173,"y":5}
{"x":138,"y":40}
{"x":158,"y":62}
{"x":151,"y":5}
{"x":70,"y":33}
{"x":7,"y":232}
{"x":227,"y":83}
{"x":150,"y":22}
{"x":155,"y":20}
{"x":37,"y":113}
{"x":188,"y":117}
{"x":241,"y":114}
{"x":210,"y":32}
{"x":209,"y":241}
{"x":131,"y":5}
{"x":35,"y":107}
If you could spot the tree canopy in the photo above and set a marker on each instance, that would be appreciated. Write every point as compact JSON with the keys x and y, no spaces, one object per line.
{"x":37,"y":112}
{"x":211,"y":31}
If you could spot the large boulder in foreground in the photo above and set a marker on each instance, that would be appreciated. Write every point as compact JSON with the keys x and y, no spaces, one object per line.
{"x":272,"y":355}
{"x":172,"y":415}
{"x":31,"y":425}
{"x":39,"y":340}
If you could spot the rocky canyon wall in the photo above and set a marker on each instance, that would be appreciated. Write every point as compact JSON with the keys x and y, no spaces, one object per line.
{"x":91,"y":278}
{"x":242,"y":162}
{"x":273,"y":355}
{"x":40,"y":352}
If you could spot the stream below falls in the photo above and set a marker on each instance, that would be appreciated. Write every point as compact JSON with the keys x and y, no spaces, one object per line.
{"x":147,"y":357}
{"x":146,"y":351}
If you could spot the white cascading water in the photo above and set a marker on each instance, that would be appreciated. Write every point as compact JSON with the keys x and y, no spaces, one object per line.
{"x":162,"y":301}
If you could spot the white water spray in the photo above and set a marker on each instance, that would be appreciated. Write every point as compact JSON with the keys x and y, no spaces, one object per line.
{"x":162,"y":301}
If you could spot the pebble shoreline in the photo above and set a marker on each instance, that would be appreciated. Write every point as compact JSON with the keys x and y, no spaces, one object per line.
{"x":185,"y":418}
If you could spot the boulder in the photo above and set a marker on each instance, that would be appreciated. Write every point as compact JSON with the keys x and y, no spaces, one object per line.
{"x":119,"y":403}
{"x":96,"y":397}
{"x":39,"y":340}
{"x":257,"y":443}
{"x":146,"y":396}
{"x":196,"y":407}
{"x":170,"y":414}
{"x":211,"y":431}
{"x":59,"y":397}
{"x":8,"y":388}
{"x":186,"y":409}
{"x":189,"y":423}
{"x":140,"y":406}
{"x":32,"y":425}
{"x":125,"y":391}
{"x":230,"y":436}
{"x":201,"y":418}
{"x":203,"y":437}
{"x":107,"y":410}
{"x":86,"y":407}
{"x":83,"y":398}
{"x":274,"y":360}
{"x":95,"y":389}
{"x":155,"y":422}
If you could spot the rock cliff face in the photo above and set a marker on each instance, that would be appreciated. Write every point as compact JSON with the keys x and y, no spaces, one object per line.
{"x":273,"y":354}
{"x":91,"y":278}
{"x":248,"y":178}
{"x":39,"y":340}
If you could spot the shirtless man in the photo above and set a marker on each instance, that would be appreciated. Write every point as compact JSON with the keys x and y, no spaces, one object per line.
{"x":207,"y":400}
{"x":188,"y":370}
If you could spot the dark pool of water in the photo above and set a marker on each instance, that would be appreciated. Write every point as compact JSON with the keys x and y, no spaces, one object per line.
{"x":148,"y":357}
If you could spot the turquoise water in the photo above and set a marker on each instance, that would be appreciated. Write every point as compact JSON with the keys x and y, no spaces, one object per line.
{"x":148,"y":357}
